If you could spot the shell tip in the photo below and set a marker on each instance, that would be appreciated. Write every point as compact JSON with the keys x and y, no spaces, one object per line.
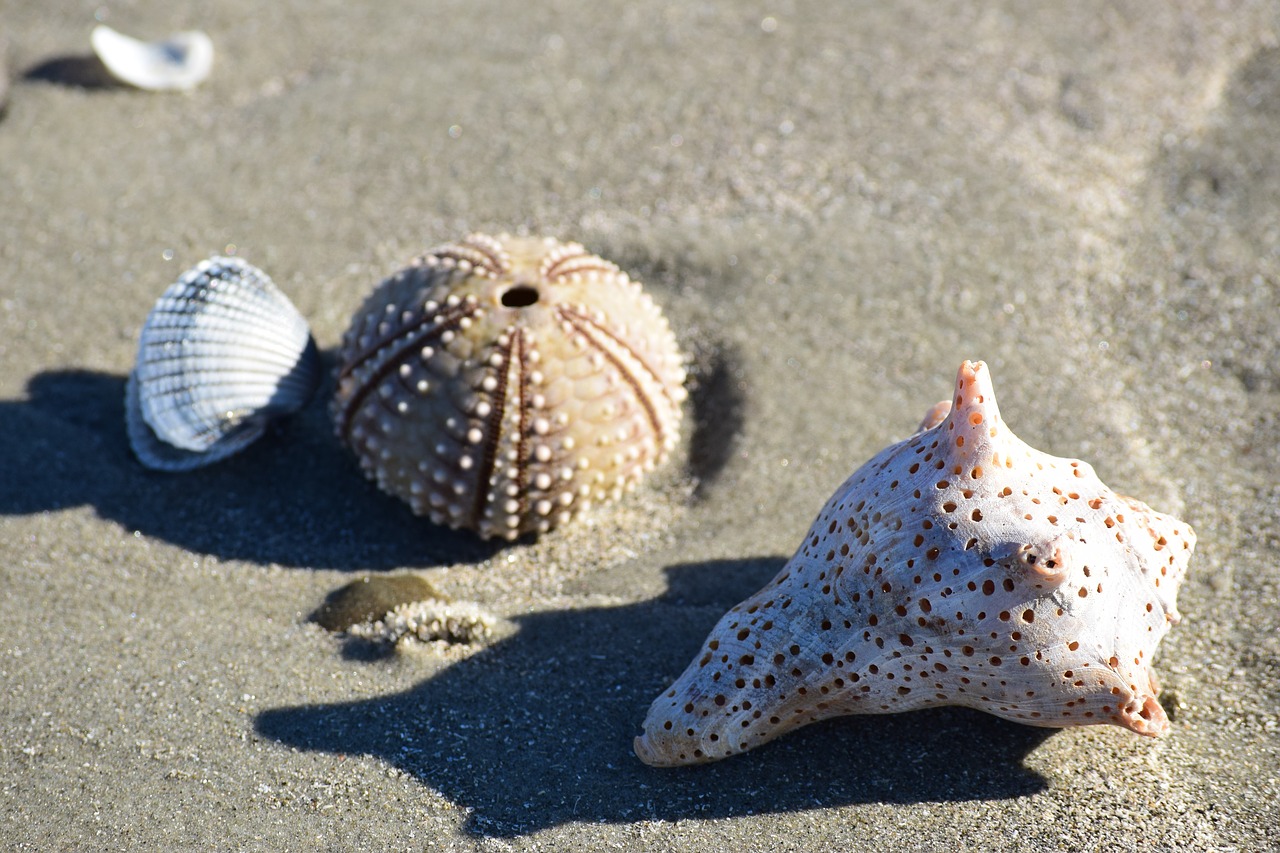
{"x":648,"y":753}
{"x":974,"y":416}
{"x":1144,"y":716}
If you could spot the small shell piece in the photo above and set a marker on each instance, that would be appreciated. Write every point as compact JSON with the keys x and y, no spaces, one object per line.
{"x":178,"y":63}
{"x":505,"y":384}
{"x":222,"y":353}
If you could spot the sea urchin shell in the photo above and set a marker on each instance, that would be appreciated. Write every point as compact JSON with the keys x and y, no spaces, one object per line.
{"x":502,"y":385}
{"x":957,"y":567}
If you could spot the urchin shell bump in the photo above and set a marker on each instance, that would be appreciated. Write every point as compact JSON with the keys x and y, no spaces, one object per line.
{"x":222,"y":353}
{"x":957,"y":567}
{"x":505,"y":384}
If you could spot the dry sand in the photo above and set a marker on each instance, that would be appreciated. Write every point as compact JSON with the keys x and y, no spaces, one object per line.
{"x":835,"y":203}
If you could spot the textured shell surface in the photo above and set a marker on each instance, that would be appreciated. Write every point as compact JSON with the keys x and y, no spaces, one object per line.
{"x":222,"y":354}
{"x":180,"y":62}
{"x":505,"y":384}
{"x":957,"y":567}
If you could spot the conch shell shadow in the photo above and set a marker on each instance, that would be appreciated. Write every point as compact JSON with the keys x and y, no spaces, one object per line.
{"x":535,"y":731}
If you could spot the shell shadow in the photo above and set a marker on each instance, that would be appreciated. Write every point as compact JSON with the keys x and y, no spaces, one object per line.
{"x":295,"y":498}
{"x":535,"y":731}
{"x":718,"y":400}
{"x":84,"y":71}
{"x":716,"y":384}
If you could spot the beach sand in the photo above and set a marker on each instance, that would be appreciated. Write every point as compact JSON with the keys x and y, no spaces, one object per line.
{"x":835,"y":204}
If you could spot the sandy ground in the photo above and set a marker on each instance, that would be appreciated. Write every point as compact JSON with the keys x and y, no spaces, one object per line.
{"x":835,"y":204}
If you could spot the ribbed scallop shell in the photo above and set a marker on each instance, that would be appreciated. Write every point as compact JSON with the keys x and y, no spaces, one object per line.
{"x":222,"y":353}
{"x":504,"y":384}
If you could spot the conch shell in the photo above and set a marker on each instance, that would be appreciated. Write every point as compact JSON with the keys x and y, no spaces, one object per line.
{"x":957,"y":567}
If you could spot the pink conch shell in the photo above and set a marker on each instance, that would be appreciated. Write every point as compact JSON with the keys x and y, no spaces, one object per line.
{"x":957,"y":567}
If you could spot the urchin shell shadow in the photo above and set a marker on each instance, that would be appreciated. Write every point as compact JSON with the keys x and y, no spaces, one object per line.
{"x":718,"y":402}
{"x":535,"y":731}
{"x":295,"y":498}
{"x":717,"y":392}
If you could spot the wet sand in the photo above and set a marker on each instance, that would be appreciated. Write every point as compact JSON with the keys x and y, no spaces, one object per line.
{"x":835,"y":205}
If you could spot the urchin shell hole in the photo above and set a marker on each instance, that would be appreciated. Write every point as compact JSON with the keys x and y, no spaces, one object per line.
{"x":520,"y":296}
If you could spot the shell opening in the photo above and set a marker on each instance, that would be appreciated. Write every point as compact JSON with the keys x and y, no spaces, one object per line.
{"x":520,"y":296}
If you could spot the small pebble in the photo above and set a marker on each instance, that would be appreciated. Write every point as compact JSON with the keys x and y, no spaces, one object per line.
{"x":369,"y":598}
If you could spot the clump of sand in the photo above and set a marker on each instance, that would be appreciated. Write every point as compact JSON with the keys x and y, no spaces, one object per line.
{"x":431,"y":620}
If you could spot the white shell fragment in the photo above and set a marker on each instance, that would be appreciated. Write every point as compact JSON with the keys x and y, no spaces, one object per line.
{"x":178,"y":63}
{"x":222,"y":354}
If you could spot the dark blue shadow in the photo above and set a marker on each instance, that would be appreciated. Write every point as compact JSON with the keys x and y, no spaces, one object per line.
{"x":536,"y":730}
{"x":295,"y":498}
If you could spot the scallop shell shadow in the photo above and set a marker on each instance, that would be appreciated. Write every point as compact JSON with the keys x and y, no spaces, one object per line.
{"x":177,"y":63}
{"x":222,"y":354}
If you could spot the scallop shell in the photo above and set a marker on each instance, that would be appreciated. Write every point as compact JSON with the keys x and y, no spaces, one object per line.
{"x":222,"y":353}
{"x":957,"y":567}
{"x":180,"y":62}
{"x":505,"y":384}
